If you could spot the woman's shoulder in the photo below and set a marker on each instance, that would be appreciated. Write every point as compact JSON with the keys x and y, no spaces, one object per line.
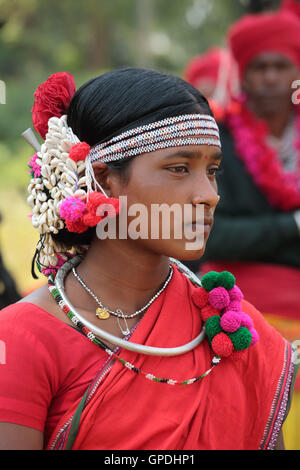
{"x":36,"y":321}
{"x":258,"y":319}
{"x":271,"y":348}
{"x":36,"y":309}
{"x":32,"y":325}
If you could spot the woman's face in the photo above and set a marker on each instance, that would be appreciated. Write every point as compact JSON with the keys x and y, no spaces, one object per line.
{"x":176,"y":193}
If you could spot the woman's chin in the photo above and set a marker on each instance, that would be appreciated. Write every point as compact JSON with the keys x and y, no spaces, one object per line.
{"x":188,"y":254}
{"x":192,"y":255}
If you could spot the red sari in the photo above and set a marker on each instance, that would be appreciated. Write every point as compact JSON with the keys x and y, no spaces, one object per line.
{"x":241,"y":404}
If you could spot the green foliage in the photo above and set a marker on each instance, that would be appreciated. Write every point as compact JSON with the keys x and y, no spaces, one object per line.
{"x":40,"y":37}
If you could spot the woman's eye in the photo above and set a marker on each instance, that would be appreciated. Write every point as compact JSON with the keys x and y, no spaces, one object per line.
{"x":178,"y":169}
{"x":215,"y":171}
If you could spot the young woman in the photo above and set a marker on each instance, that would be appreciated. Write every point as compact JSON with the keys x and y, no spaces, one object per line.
{"x":113,"y":353}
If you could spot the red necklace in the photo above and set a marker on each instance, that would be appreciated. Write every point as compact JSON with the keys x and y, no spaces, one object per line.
{"x":262,"y":162}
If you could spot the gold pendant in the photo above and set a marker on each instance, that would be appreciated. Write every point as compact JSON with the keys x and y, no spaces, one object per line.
{"x":102,"y":313}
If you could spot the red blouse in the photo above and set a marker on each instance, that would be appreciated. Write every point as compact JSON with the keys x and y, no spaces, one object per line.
{"x":45,"y":366}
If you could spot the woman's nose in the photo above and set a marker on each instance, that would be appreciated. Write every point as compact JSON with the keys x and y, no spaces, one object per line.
{"x":205,"y":192}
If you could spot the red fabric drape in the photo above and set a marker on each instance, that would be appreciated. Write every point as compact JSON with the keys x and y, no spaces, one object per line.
{"x":228,"y":409}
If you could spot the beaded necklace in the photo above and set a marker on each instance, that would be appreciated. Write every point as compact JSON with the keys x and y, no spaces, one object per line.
{"x":229,"y":331}
{"x":71,"y":315}
{"x":139,"y":348}
{"x":94,"y":339}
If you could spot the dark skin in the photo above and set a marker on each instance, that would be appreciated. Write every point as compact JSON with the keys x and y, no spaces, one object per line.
{"x":125,"y":273}
{"x":268,"y":84}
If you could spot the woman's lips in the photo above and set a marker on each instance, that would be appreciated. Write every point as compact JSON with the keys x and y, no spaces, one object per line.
{"x":203,"y":226}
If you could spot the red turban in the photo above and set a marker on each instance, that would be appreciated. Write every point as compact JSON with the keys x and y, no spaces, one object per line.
{"x":218,"y":66}
{"x":211,"y":66}
{"x":292,"y":6}
{"x":204,"y":66}
{"x":267,"y":32}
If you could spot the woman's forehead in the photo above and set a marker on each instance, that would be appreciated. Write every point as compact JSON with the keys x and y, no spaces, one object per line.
{"x":190,"y":152}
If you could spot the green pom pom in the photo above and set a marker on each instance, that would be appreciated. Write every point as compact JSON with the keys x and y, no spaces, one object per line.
{"x":212,"y":327}
{"x":209,"y":280}
{"x":241,"y":338}
{"x":226,"y":280}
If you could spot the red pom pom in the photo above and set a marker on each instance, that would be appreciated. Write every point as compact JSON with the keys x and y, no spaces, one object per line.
{"x":79,"y":151}
{"x":208,"y":311}
{"x":222,"y":345}
{"x":76,"y":227}
{"x":110,"y":205}
{"x":200,"y":297}
{"x":99,"y":207}
{"x":90,"y":219}
{"x":94,"y":200}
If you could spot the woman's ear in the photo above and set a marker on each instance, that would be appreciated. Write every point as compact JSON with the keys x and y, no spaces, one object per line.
{"x":107,"y":180}
{"x":101,"y":172}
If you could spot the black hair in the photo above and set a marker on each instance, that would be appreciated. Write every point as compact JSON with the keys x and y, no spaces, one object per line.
{"x":120,"y":100}
{"x":126,"y":98}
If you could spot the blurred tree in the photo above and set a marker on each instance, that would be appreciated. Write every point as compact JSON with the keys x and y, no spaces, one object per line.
{"x":46,"y":36}
{"x":40,"y":37}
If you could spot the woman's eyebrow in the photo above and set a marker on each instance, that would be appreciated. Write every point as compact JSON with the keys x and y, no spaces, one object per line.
{"x":186,"y":154}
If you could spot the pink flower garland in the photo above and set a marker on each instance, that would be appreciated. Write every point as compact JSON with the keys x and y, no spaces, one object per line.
{"x":35,"y":169}
{"x":60,"y":261}
{"x":281,"y":188}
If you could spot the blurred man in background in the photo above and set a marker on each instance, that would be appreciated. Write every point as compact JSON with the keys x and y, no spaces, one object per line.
{"x":257,"y":222}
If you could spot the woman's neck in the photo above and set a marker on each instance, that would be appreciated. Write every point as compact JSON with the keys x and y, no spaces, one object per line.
{"x":121,"y":275}
{"x":276,"y":122}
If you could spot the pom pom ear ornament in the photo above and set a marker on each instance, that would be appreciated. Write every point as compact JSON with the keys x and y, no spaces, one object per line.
{"x":63,"y":191}
{"x":230,"y":331}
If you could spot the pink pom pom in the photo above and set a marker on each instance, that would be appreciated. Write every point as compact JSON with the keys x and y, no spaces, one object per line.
{"x":255,"y":336}
{"x":247,"y":321}
{"x":236,"y":294}
{"x":200,"y":297}
{"x":72,"y":209}
{"x":235,"y":305}
{"x":219,"y":298}
{"x":222,"y":345}
{"x":231,"y":321}
{"x":53,"y":269}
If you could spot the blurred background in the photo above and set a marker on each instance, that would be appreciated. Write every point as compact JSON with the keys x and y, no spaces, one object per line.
{"x":85,"y":38}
